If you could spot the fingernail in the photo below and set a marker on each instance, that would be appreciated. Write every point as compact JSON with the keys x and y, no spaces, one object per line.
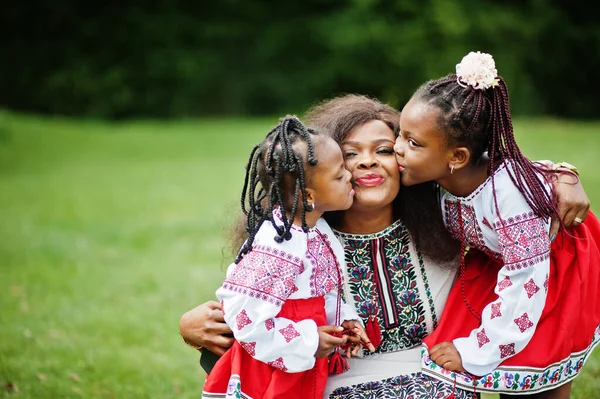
{"x":552,"y":237}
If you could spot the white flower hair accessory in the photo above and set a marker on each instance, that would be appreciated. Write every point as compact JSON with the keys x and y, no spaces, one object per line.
{"x":477,"y":70}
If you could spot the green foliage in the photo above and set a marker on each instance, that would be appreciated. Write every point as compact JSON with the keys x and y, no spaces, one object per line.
{"x":165,"y":59}
{"x":110,"y":231}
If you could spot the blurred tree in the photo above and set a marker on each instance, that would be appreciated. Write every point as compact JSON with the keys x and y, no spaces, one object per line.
{"x":183,"y":58}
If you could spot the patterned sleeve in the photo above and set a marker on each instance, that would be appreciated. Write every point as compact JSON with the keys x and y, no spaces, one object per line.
{"x":252,"y":295}
{"x":508,"y":323}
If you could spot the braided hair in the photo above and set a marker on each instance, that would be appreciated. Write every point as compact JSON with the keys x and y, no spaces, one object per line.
{"x":275,"y":170}
{"x":480,"y":121}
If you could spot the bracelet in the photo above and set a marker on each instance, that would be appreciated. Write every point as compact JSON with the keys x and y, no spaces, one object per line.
{"x":566,"y":165}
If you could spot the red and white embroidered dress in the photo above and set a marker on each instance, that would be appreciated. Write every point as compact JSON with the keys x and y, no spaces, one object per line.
{"x":539,"y":306}
{"x":273,"y":300}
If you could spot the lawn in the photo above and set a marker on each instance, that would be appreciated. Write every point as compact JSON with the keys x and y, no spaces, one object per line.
{"x":109,"y":231}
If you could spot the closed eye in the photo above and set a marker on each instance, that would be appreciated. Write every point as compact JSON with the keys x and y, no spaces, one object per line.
{"x":386,"y":151}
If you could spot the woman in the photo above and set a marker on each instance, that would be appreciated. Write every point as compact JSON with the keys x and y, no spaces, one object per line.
{"x":398,"y":291}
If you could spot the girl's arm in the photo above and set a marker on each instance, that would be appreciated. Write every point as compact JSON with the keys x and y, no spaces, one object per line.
{"x":253,"y":295}
{"x":508,"y":323}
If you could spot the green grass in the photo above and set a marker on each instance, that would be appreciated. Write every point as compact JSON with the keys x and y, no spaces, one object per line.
{"x":110,"y":231}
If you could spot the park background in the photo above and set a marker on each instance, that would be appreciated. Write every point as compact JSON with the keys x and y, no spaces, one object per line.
{"x":124,"y":130}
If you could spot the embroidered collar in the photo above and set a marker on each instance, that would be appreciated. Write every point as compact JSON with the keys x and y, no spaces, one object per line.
{"x":277,"y":216}
{"x":364,"y":237}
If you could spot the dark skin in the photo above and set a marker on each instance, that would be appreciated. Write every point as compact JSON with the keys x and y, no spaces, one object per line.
{"x":461,"y":177}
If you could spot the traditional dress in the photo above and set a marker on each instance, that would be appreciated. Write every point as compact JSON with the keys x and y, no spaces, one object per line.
{"x":528,"y":322}
{"x":273,"y":300}
{"x":389,"y":283}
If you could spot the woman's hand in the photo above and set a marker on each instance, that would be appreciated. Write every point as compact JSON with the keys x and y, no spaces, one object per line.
{"x":573,"y":203}
{"x":328,"y":342}
{"x":359,"y":335}
{"x":204,"y":326}
{"x":445,"y":355}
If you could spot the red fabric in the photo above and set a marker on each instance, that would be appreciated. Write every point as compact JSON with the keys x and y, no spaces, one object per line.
{"x":258,"y":379}
{"x":373,"y":331}
{"x":337,"y":364}
{"x":572,"y":310}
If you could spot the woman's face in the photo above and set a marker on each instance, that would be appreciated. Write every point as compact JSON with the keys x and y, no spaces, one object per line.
{"x":369,"y":155}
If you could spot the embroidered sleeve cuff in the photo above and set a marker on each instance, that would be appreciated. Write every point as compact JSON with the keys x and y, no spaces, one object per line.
{"x":472,"y":359}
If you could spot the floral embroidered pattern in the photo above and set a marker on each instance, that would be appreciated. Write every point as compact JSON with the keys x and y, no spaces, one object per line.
{"x":411,"y":386}
{"x":396,"y":266}
{"x":265,"y":273}
{"x":269,"y":324}
{"x":506,"y":379}
{"x":531,"y":288}
{"x":546,"y":284}
{"x":496,"y":310}
{"x":482,"y":338}
{"x":324,"y":276}
{"x":289,"y":333}
{"x":523,"y":322}
{"x":249,"y":347}
{"x":523,"y":240}
{"x":504,"y":283}
{"x":242,"y":319}
{"x":507,"y":350}
{"x":278,"y":364}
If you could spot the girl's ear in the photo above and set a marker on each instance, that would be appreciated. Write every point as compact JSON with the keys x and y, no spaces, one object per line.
{"x":460,"y":158}
{"x":310,"y":196}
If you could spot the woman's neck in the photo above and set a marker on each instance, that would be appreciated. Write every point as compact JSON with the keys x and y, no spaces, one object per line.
{"x":466,"y":180}
{"x":366,"y":221}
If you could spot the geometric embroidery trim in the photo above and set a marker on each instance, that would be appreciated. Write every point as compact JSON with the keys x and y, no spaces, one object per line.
{"x":250,"y":347}
{"x":504,"y":283}
{"x":278,"y":364}
{"x":508,"y":380}
{"x":523,"y":322}
{"x":507,"y":350}
{"x":471,"y":231}
{"x":523,"y":240}
{"x":531,"y":288}
{"x":269,"y":324}
{"x":324,"y":275}
{"x":482,"y":338}
{"x":496,"y":310}
{"x":265,"y":273}
{"x":289,"y":333}
{"x":242,"y":319}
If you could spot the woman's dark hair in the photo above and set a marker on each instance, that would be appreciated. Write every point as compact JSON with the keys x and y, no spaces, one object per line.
{"x":480,"y":121}
{"x":417,"y":206}
{"x":276,"y":178}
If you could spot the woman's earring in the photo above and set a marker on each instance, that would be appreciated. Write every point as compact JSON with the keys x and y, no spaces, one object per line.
{"x":452,"y":169}
{"x":311,"y":207}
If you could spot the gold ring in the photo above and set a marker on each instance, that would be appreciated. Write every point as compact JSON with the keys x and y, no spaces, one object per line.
{"x":577,"y":220}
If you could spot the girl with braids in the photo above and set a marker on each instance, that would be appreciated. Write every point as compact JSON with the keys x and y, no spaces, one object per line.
{"x":526,"y":323}
{"x":396,"y":249}
{"x":282,"y":295}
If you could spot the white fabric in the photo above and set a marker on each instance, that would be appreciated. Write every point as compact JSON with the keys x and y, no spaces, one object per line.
{"x":257,"y":287}
{"x":511,"y":232}
{"x":380,"y":366}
